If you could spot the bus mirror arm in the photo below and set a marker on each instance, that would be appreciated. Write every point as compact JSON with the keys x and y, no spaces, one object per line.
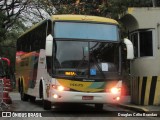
{"x":49,"y":45}
{"x":129,"y":47}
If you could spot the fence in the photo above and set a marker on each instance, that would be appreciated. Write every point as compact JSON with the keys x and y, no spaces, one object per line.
{"x":10,"y":53}
{"x":2,"y":103}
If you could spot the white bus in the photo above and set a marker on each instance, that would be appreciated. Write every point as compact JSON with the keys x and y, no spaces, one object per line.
{"x":71,"y":59}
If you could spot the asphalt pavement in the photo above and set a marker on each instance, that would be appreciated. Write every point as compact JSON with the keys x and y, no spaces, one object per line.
{"x":125,"y":103}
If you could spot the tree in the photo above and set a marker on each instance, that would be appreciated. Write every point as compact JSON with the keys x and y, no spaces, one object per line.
{"x":106,"y":8}
{"x":23,"y":10}
{"x":14,"y":15}
{"x":12,"y":9}
{"x":36,"y":11}
{"x":2,"y":30}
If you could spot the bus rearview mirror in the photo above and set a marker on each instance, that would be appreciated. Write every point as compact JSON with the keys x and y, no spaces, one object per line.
{"x":129,"y":47}
{"x":49,"y":45}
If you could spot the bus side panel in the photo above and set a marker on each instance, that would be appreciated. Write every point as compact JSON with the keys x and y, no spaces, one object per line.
{"x":41,"y":75}
{"x":26,"y":69}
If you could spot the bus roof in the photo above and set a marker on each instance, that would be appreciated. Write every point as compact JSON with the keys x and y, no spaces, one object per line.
{"x":67,"y":17}
{"x":85,"y":18}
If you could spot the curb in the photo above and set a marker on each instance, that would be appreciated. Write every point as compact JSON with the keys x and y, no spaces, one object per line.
{"x":133,"y":107}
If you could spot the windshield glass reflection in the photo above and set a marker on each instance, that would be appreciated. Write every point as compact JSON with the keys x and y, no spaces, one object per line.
{"x":86,"y":59}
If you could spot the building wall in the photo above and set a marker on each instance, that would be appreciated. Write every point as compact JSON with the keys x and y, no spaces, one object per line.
{"x":145,"y":90}
{"x":145,"y":18}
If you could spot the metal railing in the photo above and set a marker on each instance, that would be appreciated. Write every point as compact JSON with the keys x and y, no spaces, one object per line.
{"x":2,"y":103}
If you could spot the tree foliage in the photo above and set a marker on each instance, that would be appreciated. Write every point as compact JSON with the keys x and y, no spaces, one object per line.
{"x":12,"y":9}
{"x":15,"y":12}
{"x":23,"y":10}
{"x":2,"y":30}
{"x":107,"y":8}
{"x":36,"y":11}
{"x":78,"y":6}
{"x":14,"y":15}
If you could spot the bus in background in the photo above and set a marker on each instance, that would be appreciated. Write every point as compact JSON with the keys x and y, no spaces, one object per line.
{"x":71,"y":59}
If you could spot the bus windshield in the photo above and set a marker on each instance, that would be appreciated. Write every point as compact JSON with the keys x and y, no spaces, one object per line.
{"x":92,"y":31}
{"x":86,"y":59}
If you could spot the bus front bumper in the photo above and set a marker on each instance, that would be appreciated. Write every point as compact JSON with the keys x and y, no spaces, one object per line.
{"x":83,"y":97}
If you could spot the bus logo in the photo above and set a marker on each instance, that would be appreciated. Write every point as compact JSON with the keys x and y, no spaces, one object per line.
{"x":76,"y":85}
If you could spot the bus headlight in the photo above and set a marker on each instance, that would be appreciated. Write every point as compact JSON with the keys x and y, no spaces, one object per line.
{"x":55,"y":96}
{"x":115,"y":90}
{"x":60,"y":88}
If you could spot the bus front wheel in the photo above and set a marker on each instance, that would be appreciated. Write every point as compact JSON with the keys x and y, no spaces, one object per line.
{"x":46,"y":104}
{"x":32,"y":98}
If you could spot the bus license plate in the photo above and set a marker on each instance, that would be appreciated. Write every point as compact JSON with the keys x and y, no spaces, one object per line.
{"x":87,"y":97}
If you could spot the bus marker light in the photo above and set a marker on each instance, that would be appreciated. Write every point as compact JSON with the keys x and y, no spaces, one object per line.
{"x":54,"y":86}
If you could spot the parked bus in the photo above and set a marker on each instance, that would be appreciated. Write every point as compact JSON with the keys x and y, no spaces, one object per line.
{"x":71,"y":59}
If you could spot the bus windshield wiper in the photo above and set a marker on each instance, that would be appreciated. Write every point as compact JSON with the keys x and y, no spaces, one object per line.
{"x":99,"y":68}
{"x":80,"y":64}
{"x":81,"y":61}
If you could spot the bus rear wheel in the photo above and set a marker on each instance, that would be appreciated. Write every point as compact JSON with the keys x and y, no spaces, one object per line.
{"x":24,"y":97}
{"x":99,"y":106}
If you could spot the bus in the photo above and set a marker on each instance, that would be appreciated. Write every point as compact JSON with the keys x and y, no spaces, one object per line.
{"x":71,"y":59}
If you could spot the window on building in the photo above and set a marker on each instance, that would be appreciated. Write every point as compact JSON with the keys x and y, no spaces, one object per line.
{"x":143,"y":42}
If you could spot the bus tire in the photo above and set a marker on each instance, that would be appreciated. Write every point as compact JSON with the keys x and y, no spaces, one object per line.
{"x":32,"y":98}
{"x":46,"y":104}
{"x":24,"y":97}
{"x":99,"y":106}
{"x":19,"y":86}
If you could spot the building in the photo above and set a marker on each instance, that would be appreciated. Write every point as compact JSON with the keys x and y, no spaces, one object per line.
{"x":143,"y":26}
